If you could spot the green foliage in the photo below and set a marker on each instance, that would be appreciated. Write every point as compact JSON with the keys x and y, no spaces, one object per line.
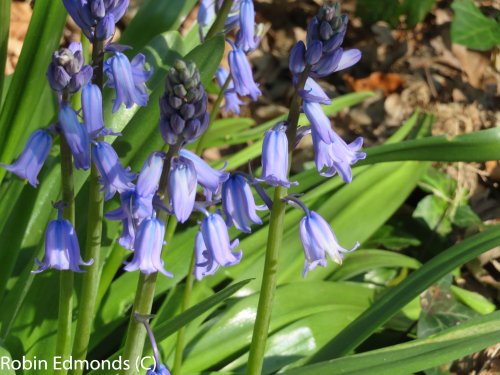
{"x":472,"y":28}
{"x":416,"y":355}
{"x":332,"y":311}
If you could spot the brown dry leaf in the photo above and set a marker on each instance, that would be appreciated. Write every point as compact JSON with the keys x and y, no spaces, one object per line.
{"x":473,"y":64}
{"x":493,"y":169}
{"x":387,"y":83}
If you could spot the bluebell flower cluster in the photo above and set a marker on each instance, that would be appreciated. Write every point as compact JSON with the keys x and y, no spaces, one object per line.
{"x":67,"y":71}
{"x":322,"y":57}
{"x":96,"y":18}
{"x":241,"y":81}
{"x":83,"y":130}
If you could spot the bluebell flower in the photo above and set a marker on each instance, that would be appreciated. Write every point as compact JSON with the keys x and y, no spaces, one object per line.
{"x":275,"y":157}
{"x":232,"y":102}
{"x":31,"y":160}
{"x":336,"y":61}
{"x":147,"y":248}
{"x":131,"y":216}
{"x":318,"y":240}
{"x":182,"y":187}
{"x":313,"y":93}
{"x":238,"y":204}
{"x":337,"y":157}
{"x":297,"y":60}
{"x":76,"y":135}
{"x":210,"y":179}
{"x":62,"y":251}
{"x":114,"y":178}
{"x":216,"y":238}
{"x":241,"y":71}
{"x":149,"y":178}
{"x":320,"y":123}
{"x":90,"y":15}
{"x":128,"y":78}
{"x":246,"y":39}
{"x":205,"y":262}
{"x":66,"y":71}
{"x":92,"y":109}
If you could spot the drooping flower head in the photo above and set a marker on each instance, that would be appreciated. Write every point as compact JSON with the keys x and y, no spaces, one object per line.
{"x":76,"y":136}
{"x":114,"y":178}
{"x":246,"y":38}
{"x":275,"y":157}
{"x":96,"y":18}
{"x":238,"y":204}
{"x":216,"y":239}
{"x":183,"y":107}
{"x":232,"y":102}
{"x":147,"y":248}
{"x":337,"y":157}
{"x":241,"y":71}
{"x":62,"y":251}
{"x":32,"y":158}
{"x":66,"y":72}
{"x":92,"y":109}
{"x":320,"y":123}
{"x":182,"y":187}
{"x":128,"y":78}
{"x":210,"y":179}
{"x":319,"y":240}
{"x":205,"y":262}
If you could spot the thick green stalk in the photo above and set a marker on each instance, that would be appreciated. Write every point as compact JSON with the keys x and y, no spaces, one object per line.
{"x":90,"y":282}
{"x":220,"y":21}
{"x":181,"y":335}
{"x":136,"y":333}
{"x":63,"y":346}
{"x":274,"y":241}
{"x":188,"y":288}
{"x":144,"y":296}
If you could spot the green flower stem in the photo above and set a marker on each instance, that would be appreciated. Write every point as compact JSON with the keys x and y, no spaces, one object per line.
{"x":274,"y":241}
{"x":136,"y":334}
{"x":181,"y":335}
{"x":90,"y":283}
{"x":220,"y":21}
{"x":144,"y":296}
{"x":63,"y":345}
{"x":188,"y":288}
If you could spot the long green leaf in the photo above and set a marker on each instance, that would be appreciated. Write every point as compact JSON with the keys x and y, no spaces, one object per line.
{"x":395,"y":299}
{"x":478,"y":146}
{"x":29,"y":80}
{"x":417,"y":355}
{"x":4,"y":38}
{"x":155,"y":17}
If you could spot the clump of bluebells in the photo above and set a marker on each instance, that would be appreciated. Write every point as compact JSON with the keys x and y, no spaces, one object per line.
{"x":82,"y":129}
{"x":183,"y":119}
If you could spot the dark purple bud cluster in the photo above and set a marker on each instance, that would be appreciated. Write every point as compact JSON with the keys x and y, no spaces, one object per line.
{"x":183,"y":107}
